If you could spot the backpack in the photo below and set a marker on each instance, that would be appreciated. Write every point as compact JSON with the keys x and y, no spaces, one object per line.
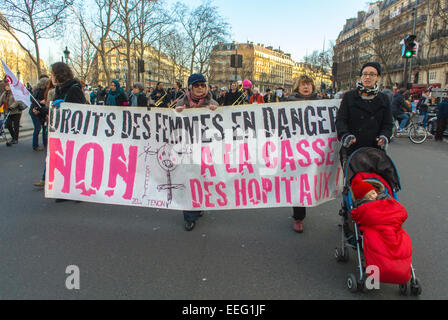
{"x":421,"y":105}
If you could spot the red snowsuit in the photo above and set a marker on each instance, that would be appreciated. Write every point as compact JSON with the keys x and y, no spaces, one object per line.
{"x":386,"y":244}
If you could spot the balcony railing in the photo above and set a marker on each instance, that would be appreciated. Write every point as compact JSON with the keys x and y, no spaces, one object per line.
{"x":439,"y":34}
{"x":403,"y":27}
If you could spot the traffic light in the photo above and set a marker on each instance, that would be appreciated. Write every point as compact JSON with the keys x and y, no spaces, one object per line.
{"x":409,"y":47}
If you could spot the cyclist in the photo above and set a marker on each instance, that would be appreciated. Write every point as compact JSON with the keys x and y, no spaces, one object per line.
{"x":400,"y":107}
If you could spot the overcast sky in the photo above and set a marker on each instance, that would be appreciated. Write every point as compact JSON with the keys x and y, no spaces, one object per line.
{"x":296,"y":26}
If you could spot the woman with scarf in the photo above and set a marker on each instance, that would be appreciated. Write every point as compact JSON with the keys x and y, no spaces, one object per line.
{"x":116,"y":95}
{"x":197,"y":96}
{"x":303,"y":89}
{"x":364,"y":118}
{"x":14,"y":108}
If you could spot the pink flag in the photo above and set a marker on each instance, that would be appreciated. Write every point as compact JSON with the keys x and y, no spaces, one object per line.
{"x":18,"y":90}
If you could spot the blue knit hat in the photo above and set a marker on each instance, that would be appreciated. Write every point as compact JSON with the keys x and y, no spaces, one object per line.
{"x":196,"y":77}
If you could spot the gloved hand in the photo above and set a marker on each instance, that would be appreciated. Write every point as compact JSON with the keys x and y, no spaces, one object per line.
{"x":348,"y":140}
{"x":57,"y":103}
{"x":382,"y":142}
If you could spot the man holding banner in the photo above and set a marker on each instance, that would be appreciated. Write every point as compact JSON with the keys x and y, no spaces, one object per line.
{"x":21,"y":97}
{"x":18,"y":90}
{"x":13,"y":110}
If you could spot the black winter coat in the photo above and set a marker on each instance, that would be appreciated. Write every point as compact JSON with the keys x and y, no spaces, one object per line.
{"x":70,"y":91}
{"x":231,"y":97}
{"x":365,"y":119}
{"x":165,"y":101}
{"x":399,"y":105}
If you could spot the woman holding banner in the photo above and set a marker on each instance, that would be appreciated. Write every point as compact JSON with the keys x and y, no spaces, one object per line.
{"x":197,"y":96}
{"x":14,"y":108}
{"x":68,"y":89}
{"x":116,"y":95}
{"x":303,"y":89}
{"x":364,"y":118}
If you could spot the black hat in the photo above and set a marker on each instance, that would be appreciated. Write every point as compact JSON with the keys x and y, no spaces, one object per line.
{"x":196,"y":77}
{"x":375,"y":65}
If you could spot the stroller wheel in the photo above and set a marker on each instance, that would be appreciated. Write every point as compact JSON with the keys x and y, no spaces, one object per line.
{"x":403,"y":289}
{"x":416,"y":288}
{"x":352,"y":283}
{"x":341,"y":257}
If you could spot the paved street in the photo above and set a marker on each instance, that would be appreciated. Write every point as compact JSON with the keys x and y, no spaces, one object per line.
{"x":135,"y":253}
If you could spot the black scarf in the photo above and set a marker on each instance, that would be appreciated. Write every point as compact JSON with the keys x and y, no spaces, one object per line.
{"x":363,"y":91}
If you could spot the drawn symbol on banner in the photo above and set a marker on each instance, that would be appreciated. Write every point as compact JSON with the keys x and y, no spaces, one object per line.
{"x":168,"y":159}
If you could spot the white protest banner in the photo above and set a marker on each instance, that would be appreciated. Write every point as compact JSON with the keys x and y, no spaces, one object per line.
{"x":251,"y":156}
{"x":18,"y":90}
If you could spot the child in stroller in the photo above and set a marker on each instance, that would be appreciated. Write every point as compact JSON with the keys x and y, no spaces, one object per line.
{"x":2,"y":127}
{"x":371,"y":222}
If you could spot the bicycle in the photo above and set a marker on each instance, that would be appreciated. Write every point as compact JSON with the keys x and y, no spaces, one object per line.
{"x":414,"y":129}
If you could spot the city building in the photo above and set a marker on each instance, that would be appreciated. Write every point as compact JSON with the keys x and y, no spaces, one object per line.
{"x":265,"y":66}
{"x":359,"y":42}
{"x":157,"y":65}
{"x":17,"y":59}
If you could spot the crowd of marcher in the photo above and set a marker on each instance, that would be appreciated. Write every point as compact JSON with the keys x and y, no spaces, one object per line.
{"x":365,"y":117}
{"x":241,"y":92}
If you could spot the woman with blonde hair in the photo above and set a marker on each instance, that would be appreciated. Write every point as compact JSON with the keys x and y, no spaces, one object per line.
{"x":303,"y":89}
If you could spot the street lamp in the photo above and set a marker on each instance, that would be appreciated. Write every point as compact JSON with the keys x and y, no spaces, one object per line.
{"x":66,"y":53}
{"x":18,"y":74}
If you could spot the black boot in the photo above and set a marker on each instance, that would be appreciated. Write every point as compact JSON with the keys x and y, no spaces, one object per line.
{"x":189,"y":225}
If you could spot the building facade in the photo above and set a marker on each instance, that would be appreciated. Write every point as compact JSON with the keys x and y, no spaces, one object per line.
{"x":266,"y":67}
{"x":158,"y":67}
{"x":359,"y":42}
{"x":17,"y":59}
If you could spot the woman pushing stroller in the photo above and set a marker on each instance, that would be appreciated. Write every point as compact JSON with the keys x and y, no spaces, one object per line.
{"x":364,"y":118}
{"x":364,"y":124}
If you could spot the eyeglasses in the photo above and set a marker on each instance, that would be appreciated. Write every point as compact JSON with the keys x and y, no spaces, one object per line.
{"x":371,"y":75}
{"x":197,"y":85}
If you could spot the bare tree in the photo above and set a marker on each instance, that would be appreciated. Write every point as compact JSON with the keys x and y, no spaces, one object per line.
{"x":82,"y":56}
{"x":204,"y":52}
{"x":201,"y":26}
{"x":97,"y":30}
{"x":124,"y":31}
{"x":385,"y":51}
{"x":35,"y":19}
{"x":175,"y":47}
{"x":150,"y":21}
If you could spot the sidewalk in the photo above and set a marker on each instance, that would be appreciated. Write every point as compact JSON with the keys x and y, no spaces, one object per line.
{"x":26,"y":127}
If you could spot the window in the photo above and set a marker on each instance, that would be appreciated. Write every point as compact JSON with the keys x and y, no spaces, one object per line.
{"x":432,"y":75}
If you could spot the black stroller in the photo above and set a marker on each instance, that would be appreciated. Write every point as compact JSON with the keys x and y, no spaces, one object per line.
{"x":3,"y":131}
{"x":368,"y":160}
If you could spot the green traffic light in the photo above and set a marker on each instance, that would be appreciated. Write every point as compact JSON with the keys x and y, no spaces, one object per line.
{"x":408,"y":54}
